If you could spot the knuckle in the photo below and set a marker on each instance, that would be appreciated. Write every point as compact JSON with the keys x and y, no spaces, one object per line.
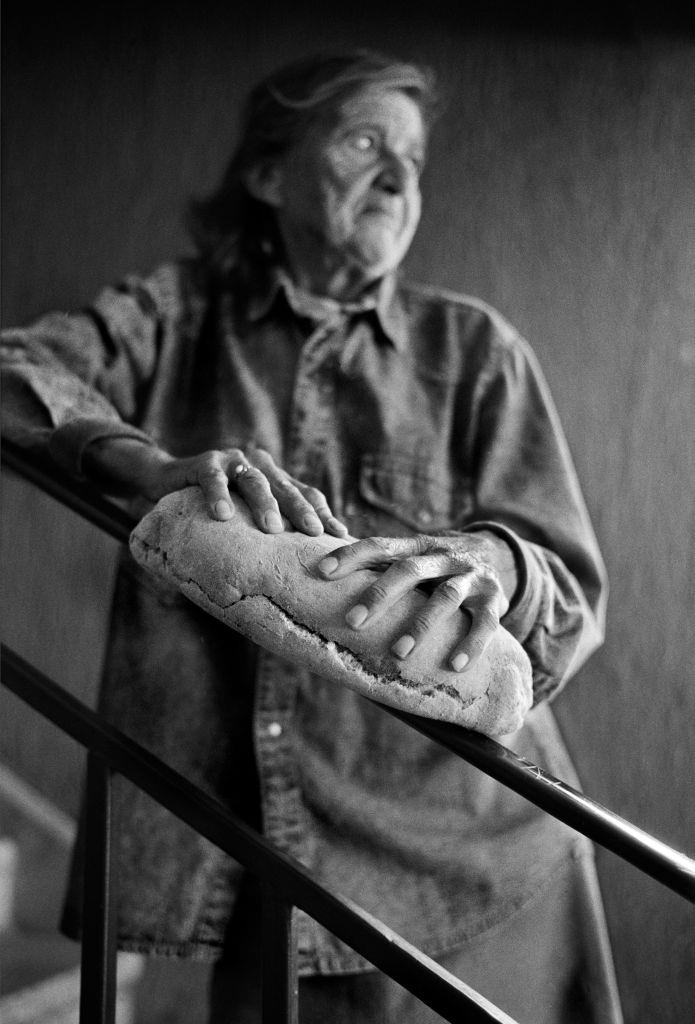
{"x":451,"y":591}
{"x":464,"y":563}
{"x":263,"y":459}
{"x":476,"y":639}
{"x":412,"y":567}
{"x":314,"y":496}
{"x":256,"y":478}
{"x":487,"y":619}
{"x":254,"y":483}
{"x":285,"y":485}
{"x":298,"y":505}
{"x":380,"y":545}
{"x":489,"y":582}
{"x":213,"y":457}
{"x":376,"y":593}
{"x":209,"y":473}
{"x":484,"y":586}
{"x":230,"y":457}
{"x":423,"y":543}
{"x":422,"y":622}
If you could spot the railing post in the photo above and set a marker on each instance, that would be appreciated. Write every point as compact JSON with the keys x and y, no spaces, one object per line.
{"x":98,"y":979}
{"x":279,"y":985}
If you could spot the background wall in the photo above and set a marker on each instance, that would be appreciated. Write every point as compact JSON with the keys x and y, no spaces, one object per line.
{"x":561,"y":189}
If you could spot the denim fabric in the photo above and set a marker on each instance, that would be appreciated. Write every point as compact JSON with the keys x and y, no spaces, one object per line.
{"x":549,"y":964}
{"x":419,"y":411}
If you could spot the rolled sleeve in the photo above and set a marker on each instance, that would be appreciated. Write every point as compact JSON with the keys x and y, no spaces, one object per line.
{"x":73,"y":378}
{"x":67,"y":444}
{"x":528,"y":493}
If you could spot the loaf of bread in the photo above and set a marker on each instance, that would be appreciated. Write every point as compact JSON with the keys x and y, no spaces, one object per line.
{"x":267,"y":587}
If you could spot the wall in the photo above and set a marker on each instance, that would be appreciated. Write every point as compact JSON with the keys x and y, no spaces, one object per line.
{"x":561,"y":189}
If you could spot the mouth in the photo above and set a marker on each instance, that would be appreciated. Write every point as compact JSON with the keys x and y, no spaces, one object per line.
{"x":383,"y":205}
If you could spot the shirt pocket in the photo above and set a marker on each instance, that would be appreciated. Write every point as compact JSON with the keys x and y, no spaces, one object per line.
{"x":405,"y":495}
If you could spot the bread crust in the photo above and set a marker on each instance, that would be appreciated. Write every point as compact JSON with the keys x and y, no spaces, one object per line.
{"x":268,"y":588}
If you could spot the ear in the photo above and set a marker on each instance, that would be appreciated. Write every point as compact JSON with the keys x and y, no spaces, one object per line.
{"x":264,"y":181}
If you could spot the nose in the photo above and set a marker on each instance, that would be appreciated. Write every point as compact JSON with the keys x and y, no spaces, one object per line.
{"x":395,"y":174}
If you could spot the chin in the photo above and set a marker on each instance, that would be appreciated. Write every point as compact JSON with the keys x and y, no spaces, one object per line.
{"x":377,"y":260}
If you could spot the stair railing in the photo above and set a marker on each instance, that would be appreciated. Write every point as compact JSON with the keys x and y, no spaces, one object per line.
{"x":285,"y":883}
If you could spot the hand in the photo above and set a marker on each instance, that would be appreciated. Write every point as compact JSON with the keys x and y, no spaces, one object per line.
{"x":475,"y":571}
{"x":269,"y":491}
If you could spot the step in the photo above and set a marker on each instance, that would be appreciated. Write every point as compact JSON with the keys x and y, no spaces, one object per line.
{"x":55,"y":999}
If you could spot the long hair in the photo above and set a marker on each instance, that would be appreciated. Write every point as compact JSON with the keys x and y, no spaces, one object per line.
{"x":231,"y":227}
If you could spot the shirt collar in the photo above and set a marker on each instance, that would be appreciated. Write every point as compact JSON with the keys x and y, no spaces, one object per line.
{"x":383,"y":300}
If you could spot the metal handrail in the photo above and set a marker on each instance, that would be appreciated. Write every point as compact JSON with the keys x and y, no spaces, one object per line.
{"x":652,"y":856}
{"x":287,"y":882}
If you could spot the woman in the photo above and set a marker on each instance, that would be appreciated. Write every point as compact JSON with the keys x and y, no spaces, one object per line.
{"x":289,"y":362}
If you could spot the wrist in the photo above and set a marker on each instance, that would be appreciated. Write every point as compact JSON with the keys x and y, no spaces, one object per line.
{"x":503,"y":560}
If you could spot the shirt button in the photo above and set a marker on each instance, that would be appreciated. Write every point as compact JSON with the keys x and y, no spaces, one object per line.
{"x":350,"y":508}
{"x":424,"y":517}
{"x":275,"y":730}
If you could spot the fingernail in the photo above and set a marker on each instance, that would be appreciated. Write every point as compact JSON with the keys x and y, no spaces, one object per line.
{"x":459,"y":662}
{"x":223,"y":510}
{"x":312,"y":523}
{"x":335,"y":526}
{"x":403,"y":646}
{"x":328,"y":566}
{"x":356,"y":616}
{"x":273,"y":522}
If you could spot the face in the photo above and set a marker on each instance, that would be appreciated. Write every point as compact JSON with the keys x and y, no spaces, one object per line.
{"x":348,"y":194}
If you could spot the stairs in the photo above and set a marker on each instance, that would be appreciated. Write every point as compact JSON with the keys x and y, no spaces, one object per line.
{"x":55,"y":998}
{"x":39,"y":968}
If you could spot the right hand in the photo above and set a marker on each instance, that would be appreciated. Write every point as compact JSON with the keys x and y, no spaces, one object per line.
{"x":268,"y":490}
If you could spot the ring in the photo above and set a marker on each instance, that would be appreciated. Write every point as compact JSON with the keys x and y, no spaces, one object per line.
{"x":240,"y":470}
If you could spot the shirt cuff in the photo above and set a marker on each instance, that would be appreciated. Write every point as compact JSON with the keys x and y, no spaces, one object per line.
{"x":67,"y":444}
{"x":524,"y":608}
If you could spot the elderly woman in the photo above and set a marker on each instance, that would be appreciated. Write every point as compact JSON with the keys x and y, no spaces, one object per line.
{"x":287,"y":361}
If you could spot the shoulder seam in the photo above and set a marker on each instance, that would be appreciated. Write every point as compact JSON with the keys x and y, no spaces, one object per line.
{"x":508,"y":333}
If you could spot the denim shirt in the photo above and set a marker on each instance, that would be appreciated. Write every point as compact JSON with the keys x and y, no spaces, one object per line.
{"x":417,"y":411}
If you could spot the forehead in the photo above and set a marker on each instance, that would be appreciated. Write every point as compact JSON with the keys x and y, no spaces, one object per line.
{"x":388,"y":108}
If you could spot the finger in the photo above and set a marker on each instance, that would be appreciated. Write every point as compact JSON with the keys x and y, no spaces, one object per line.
{"x":319,"y":504}
{"x":372,"y":553}
{"x":214,"y":483}
{"x":295,"y":500}
{"x":444,"y":601}
{"x":254,"y":488}
{"x":402,"y":576}
{"x":258,"y":488}
{"x":294,"y":504}
{"x":485,"y":620}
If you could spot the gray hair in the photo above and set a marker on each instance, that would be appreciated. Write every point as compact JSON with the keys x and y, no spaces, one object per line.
{"x":231,"y":223}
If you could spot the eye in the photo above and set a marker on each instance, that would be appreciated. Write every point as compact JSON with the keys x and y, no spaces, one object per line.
{"x":363,"y":142}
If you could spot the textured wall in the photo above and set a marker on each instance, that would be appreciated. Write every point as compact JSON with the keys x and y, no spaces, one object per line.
{"x":561,"y":190}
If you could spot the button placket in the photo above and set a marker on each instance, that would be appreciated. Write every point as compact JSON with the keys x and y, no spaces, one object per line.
{"x":310,"y":429}
{"x":311,"y":412}
{"x":281,"y":800}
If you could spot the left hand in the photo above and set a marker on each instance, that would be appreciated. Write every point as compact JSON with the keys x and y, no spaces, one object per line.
{"x":475,"y":571}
